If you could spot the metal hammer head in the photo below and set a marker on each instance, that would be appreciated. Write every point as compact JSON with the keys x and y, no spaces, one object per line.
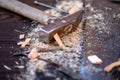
{"x":61,"y":27}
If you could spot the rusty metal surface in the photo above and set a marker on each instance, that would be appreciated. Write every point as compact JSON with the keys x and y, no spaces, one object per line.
{"x":105,"y":45}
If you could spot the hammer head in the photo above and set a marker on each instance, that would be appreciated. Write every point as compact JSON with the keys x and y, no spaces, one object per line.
{"x":61,"y":27}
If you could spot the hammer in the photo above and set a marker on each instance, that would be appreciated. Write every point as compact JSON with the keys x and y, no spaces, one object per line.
{"x":60,"y":26}
{"x":25,"y":10}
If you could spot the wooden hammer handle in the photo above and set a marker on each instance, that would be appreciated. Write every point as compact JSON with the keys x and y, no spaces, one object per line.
{"x":25,"y":10}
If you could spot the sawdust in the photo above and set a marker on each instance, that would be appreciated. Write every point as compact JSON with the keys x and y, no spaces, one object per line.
{"x":96,"y":19}
{"x":98,"y":25}
{"x":70,"y":57}
{"x":69,"y":6}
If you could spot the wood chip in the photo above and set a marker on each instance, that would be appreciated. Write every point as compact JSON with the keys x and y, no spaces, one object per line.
{"x":95,"y":59}
{"x":111,"y":66}
{"x":24,"y":43}
{"x":20,"y":43}
{"x":20,"y":67}
{"x":33,"y":54}
{"x":6,"y":67}
{"x":16,"y":62}
{"x":58,"y":40}
{"x":21,"y":36}
{"x":27,"y":42}
{"x":18,"y":31}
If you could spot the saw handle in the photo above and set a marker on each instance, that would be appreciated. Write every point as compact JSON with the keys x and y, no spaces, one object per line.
{"x":25,"y":10}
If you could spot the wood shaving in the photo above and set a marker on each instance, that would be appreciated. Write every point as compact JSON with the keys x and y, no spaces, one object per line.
{"x":21,"y":36}
{"x":33,"y":54}
{"x":20,"y":43}
{"x":16,"y":62}
{"x":58,"y":40}
{"x":20,"y":67}
{"x":6,"y":67}
{"x":111,"y":66}
{"x":24,"y":43}
{"x":27,"y":42}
